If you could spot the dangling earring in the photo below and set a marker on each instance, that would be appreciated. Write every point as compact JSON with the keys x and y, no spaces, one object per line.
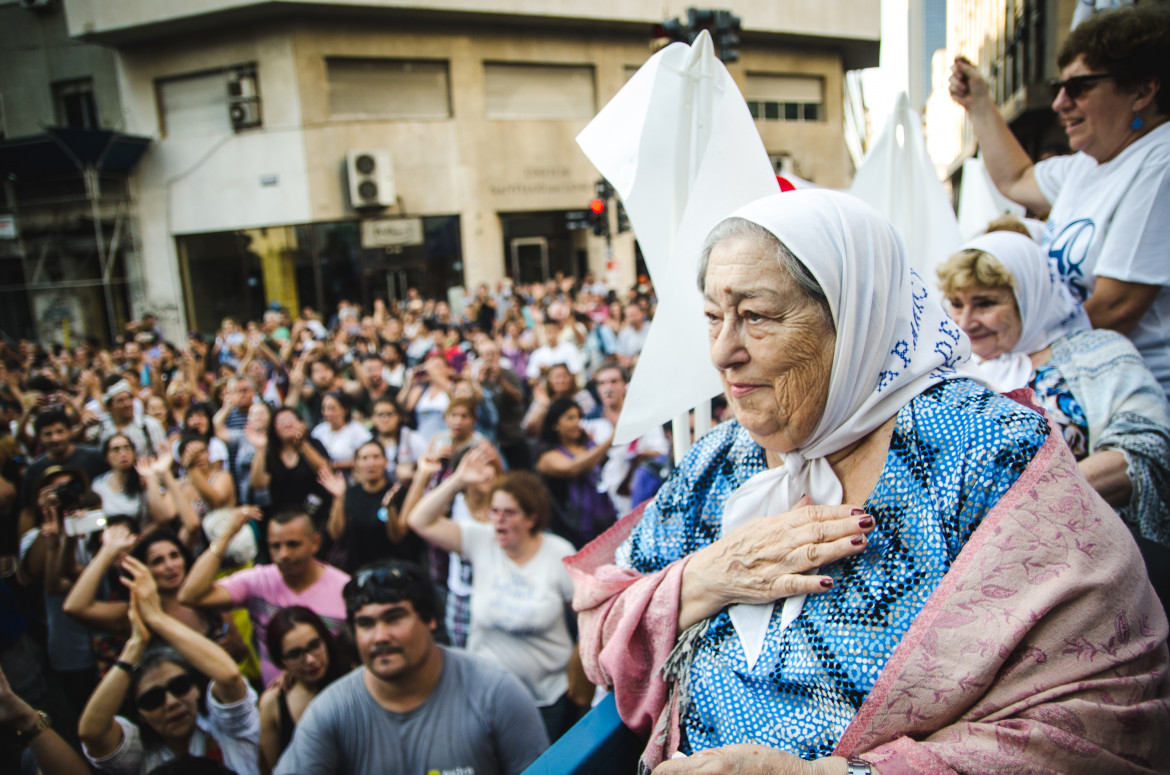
{"x":1137,"y":123}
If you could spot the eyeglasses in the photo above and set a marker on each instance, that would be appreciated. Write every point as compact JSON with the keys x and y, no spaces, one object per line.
{"x":177,"y":687}
{"x":1077,"y":85}
{"x":296,"y":655}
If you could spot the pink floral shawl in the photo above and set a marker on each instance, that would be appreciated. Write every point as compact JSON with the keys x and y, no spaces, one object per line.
{"x":1043,"y":649}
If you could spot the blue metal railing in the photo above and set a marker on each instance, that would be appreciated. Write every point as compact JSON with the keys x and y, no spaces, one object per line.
{"x":598,"y":744}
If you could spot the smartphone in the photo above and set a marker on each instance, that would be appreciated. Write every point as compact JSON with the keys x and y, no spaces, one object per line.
{"x":89,"y":522}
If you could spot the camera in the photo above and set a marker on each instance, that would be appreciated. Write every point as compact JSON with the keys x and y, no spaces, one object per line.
{"x":69,"y":495}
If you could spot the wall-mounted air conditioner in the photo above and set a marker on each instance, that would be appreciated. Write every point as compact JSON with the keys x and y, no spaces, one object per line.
{"x":243,"y":99}
{"x":370,"y":176}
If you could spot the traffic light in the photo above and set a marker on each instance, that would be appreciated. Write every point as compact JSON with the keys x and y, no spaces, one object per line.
{"x":699,"y":19}
{"x":599,"y":216}
{"x":623,"y":220}
{"x":670,"y":31}
{"x":723,"y":26}
{"x":726,"y":36}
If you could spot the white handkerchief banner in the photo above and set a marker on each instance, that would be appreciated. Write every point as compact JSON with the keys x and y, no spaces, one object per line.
{"x":681,"y":149}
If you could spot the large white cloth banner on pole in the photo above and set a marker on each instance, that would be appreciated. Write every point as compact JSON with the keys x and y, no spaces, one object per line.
{"x":682,"y":151}
{"x":898,"y":180}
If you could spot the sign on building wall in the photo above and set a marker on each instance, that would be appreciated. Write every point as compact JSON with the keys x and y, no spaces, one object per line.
{"x":392,"y":232}
{"x":7,"y":227}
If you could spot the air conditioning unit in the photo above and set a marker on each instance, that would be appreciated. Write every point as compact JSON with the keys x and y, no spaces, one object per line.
{"x":243,"y":100}
{"x":244,"y":114}
{"x":371,"y":179}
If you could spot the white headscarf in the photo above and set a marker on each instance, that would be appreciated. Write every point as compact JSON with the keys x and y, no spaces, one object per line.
{"x":893,"y":342}
{"x":1047,"y":310}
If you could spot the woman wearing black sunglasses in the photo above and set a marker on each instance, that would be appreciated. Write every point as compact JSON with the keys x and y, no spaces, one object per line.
{"x":188,"y":698}
{"x":1107,"y":228}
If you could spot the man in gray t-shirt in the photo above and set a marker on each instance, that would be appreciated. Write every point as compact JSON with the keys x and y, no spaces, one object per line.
{"x":413,"y":706}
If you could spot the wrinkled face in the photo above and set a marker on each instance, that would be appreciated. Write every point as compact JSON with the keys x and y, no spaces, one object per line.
{"x":120,"y":453}
{"x":386,"y":419}
{"x":770,"y":342}
{"x":569,"y":425}
{"x":303,"y":654}
{"x":461,"y":423}
{"x":392,"y":639}
{"x":1097,"y":122}
{"x":332,"y":412}
{"x":292,"y":545}
{"x":610,"y":388}
{"x":560,"y":381}
{"x":166,"y":565}
{"x":55,"y":439}
{"x":370,"y":463}
{"x":513,"y":527}
{"x":989,"y":317}
{"x":122,"y":408}
{"x":175,"y":717}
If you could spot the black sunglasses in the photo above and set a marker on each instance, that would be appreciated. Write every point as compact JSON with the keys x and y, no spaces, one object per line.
{"x":377,"y":576}
{"x":1074,"y":87}
{"x":177,"y":687}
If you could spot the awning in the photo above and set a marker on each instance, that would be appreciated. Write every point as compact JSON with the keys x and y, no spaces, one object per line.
{"x":55,"y":151}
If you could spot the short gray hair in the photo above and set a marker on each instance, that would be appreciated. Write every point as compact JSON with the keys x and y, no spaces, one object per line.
{"x":742,"y":228}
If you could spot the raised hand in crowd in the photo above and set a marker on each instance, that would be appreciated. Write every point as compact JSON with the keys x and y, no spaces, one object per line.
{"x":33,"y":728}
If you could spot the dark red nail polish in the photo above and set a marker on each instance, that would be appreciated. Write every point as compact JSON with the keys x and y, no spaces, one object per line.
{"x":855,"y":512}
{"x":827,"y":583}
{"x":857,"y":540}
{"x":866,"y":521}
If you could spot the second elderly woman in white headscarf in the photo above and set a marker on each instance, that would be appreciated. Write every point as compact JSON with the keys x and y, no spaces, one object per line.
{"x":1026,"y":330}
{"x":878,"y":565}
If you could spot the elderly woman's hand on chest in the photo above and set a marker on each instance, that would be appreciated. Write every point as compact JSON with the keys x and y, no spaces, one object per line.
{"x":766,"y":559}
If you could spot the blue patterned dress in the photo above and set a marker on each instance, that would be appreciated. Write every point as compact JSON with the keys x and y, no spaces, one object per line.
{"x":956,"y":449}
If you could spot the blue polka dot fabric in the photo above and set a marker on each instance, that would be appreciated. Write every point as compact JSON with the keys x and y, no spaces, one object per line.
{"x":956,"y":449}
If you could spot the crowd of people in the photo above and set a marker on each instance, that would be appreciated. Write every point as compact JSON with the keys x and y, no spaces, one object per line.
{"x":920,"y":537}
{"x":220,"y":497}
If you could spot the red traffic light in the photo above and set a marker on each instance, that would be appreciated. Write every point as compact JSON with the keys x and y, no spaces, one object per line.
{"x":597,"y":206}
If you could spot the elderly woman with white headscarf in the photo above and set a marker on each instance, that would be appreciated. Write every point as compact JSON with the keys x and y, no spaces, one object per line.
{"x":880,"y":565}
{"x":1026,"y":330}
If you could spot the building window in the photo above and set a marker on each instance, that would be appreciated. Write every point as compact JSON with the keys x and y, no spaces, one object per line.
{"x":785,"y":97}
{"x":388,"y":88}
{"x":76,"y":107}
{"x":194,"y":105}
{"x":542,"y":92}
